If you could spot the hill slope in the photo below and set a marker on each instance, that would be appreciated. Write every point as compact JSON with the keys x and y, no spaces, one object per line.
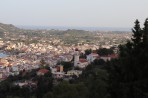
{"x":8,"y":28}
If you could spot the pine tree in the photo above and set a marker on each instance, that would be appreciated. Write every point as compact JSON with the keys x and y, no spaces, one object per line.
{"x":128,"y":74}
{"x":137,"y":33}
{"x":145,"y":32}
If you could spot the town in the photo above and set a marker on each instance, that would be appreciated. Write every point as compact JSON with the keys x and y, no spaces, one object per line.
{"x":26,"y":57}
{"x":73,"y":49}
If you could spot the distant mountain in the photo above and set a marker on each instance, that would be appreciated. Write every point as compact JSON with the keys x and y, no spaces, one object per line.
{"x":78,"y":28}
{"x":12,"y":28}
{"x":8,"y":28}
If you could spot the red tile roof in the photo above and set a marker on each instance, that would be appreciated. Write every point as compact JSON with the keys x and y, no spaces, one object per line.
{"x":2,"y":63}
{"x":43,"y":70}
{"x":113,"y":55}
{"x":76,"y":49}
{"x":94,"y":54}
{"x":83,"y":60}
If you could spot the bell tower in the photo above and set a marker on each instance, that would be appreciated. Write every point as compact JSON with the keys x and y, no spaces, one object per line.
{"x":76,"y":57}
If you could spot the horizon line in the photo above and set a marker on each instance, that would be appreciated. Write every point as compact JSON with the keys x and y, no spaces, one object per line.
{"x":91,"y":28}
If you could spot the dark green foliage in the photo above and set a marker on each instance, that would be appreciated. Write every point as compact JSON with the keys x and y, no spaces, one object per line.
{"x":128,"y":74}
{"x":48,"y":74}
{"x":145,"y":32}
{"x":48,"y":95}
{"x":98,"y":62}
{"x":95,"y":80}
{"x":66,"y":65}
{"x":88,"y":51}
{"x":137,"y":34}
{"x":104,"y":51}
{"x":4,"y":87}
{"x":25,"y":92}
{"x":43,"y":86}
{"x":66,"y":90}
{"x":82,"y":55}
{"x":8,"y":89}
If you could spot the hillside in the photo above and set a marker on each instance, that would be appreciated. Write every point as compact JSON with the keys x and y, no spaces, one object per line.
{"x":8,"y":28}
{"x":66,"y":37}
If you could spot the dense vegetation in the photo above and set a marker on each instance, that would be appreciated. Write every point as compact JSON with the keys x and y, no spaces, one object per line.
{"x":128,"y":74}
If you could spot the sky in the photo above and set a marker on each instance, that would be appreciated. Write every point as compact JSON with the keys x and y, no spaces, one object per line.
{"x":81,"y":13}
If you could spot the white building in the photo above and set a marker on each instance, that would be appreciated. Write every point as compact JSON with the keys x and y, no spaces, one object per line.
{"x":58,"y":75}
{"x":109,"y":57}
{"x":74,"y":72}
{"x":91,"y":57}
{"x":15,"y":68}
{"x":76,"y":57}
{"x":1,"y":75}
{"x":82,"y":63}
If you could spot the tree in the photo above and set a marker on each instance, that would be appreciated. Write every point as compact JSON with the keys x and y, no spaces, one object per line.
{"x":66,"y":90}
{"x":128,"y":74}
{"x":95,"y":79}
{"x":98,"y":62}
{"x":82,"y":55}
{"x":104,"y":51}
{"x":145,"y":32}
{"x":25,"y":92}
{"x":88,"y":51}
{"x":48,"y":95}
{"x":137,"y":34}
{"x":48,"y":74}
{"x":66,"y":65}
{"x":44,"y":85}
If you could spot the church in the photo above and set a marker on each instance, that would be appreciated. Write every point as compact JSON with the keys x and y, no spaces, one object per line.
{"x":79,"y":62}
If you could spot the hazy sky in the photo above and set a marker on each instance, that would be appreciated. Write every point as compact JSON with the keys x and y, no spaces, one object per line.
{"x":98,"y":13}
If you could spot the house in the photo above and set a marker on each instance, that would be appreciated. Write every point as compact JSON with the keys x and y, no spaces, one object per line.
{"x":74,"y":72}
{"x":15,"y":70}
{"x":53,"y":70}
{"x":58,"y":75}
{"x":59,"y":68}
{"x":42,"y":72}
{"x":82,"y":63}
{"x":113,"y":56}
{"x":91,"y":57}
{"x":26,"y":83}
{"x":79,"y":62}
{"x":109,"y":57}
